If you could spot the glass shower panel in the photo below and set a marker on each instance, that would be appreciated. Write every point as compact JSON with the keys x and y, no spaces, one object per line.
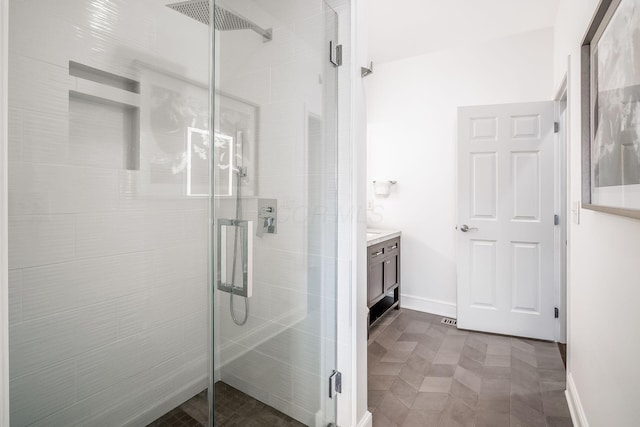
{"x":275,"y":213}
{"x":109,"y":203}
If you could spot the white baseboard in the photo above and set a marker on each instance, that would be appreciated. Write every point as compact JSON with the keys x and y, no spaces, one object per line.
{"x":427,"y":305}
{"x":575,"y":406}
{"x":366,"y":420}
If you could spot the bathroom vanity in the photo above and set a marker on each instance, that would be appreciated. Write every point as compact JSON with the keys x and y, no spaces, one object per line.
{"x":383,"y":273}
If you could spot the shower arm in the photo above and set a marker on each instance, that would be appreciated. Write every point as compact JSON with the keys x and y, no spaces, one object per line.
{"x":267,"y":35}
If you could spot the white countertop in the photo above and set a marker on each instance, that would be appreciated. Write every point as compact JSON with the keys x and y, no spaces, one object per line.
{"x":375,"y":236}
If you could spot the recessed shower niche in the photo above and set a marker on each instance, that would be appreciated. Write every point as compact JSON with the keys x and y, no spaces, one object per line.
{"x":104,"y":118}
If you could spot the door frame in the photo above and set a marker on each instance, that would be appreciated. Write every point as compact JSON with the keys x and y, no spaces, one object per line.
{"x":4,"y":285}
{"x":563,"y":208}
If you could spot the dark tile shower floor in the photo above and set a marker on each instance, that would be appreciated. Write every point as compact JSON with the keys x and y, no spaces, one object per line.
{"x":233,"y":408}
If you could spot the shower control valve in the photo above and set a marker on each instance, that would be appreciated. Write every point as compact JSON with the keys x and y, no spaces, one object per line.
{"x":267,"y":217}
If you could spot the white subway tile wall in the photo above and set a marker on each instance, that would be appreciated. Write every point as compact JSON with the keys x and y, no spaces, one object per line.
{"x":109,"y":266}
{"x":108,"y":261}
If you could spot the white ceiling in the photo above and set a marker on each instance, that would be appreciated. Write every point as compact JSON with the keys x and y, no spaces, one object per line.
{"x":403,"y":28}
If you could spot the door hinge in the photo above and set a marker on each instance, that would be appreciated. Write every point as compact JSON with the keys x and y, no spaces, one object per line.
{"x":335,"y":383}
{"x":556,"y":312}
{"x":335,"y":54}
{"x":556,"y":220}
{"x":556,"y":127}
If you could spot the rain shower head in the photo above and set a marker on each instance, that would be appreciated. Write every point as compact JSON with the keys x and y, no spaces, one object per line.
{"x":224,"y":19}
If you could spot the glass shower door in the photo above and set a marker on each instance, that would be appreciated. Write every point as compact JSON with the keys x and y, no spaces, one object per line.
{"x":275,"y":212}
{"x":118,"y":266}
{"x":108,"y":217}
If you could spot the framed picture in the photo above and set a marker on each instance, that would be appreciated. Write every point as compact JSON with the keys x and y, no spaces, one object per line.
{"x":611,"y":110}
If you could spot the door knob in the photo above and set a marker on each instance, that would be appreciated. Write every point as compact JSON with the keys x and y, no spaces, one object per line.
{"x":464,"y":228}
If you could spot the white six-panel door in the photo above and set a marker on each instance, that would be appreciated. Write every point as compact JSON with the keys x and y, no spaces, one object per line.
{"x":506,"y":206}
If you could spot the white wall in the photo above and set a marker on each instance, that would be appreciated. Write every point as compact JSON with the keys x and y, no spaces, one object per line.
{"x":603,"y":372}
{"x":4,"y":286}
{"x":412,"y":140}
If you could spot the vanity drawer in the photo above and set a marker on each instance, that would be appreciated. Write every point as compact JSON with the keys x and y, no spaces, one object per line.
{"x":391,"y":247}
{"x":375,"y":252}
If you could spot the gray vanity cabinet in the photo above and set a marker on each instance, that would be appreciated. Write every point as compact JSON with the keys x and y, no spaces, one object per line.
{"x":383,"y":278}
{"x":391,"y":264}
{"x":375,"y":276}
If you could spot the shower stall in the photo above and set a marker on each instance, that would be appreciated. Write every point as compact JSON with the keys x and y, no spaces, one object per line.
{"x":173,"y":187}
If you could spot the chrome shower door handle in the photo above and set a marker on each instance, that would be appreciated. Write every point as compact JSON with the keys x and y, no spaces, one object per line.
{"x":226,"y":232}
{"x":465,"y":228}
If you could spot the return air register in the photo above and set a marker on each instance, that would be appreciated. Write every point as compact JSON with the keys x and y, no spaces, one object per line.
{"x":449,"y":321}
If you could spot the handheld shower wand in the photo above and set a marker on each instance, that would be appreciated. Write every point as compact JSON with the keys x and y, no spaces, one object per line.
{"x":239,"y":172}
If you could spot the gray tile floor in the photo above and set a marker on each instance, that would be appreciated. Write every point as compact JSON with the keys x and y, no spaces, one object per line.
{"x":424,"y":373}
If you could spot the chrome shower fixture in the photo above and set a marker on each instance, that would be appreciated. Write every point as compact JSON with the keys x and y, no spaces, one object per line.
{"x":224,"y":19}
{"x":365,"y":71}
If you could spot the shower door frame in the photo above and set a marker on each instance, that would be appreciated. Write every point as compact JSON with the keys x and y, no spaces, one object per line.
{"x":4,"y":286}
